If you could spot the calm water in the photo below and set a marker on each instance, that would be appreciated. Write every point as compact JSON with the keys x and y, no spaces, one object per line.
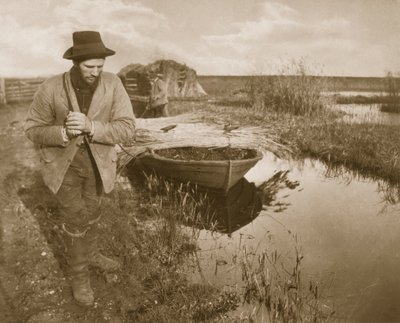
{"x":353,"y":93}
{"x":347,"y":231}
{"x":362,"y":113}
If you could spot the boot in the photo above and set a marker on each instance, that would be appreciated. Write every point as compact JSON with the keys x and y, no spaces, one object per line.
{"x":96,"y":259}
{"x":79,"y":271}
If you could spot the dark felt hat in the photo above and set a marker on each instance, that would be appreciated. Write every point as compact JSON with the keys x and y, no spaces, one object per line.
{"x":87,"y":45}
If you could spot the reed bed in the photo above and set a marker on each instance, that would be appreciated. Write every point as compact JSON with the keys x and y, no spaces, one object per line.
{"x":392,"y":89}
{"x":370,"y":149}
{"x":293,"y":91}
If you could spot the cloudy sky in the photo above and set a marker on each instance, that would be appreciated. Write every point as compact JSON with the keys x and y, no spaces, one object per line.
{"x":228,"y":37}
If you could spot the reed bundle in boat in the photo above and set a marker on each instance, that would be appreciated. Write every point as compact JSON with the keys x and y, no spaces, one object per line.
{"x":190,"y":130}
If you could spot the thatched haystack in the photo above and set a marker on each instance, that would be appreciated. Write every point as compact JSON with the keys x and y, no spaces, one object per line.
{"x":181,"y":80}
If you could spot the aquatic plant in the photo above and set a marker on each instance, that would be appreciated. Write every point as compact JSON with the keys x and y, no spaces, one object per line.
{"x":369,"y":149}
{"x":294,"y":90}
{"x":281,"y":292}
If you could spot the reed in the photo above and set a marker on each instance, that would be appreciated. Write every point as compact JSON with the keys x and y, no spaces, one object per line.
{"x":369,"y":149}
{"x":281,"y":292}
{"x":392,"y":89}
{"x":292,"y":91}
{"x":175,"y":204}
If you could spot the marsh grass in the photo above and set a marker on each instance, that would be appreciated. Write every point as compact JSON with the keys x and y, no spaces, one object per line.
{"x":274,"y":283}
{"x":370,"y":149}
{"x":392,"y":89}
{"x":179,"y":203}
{"x":292,"y":91}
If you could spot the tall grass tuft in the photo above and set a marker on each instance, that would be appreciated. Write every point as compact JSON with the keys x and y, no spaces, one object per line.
{"x":279,"y":289}
{"x":392,"y":89}
{"x":294,"y":90}
{"x":180,"y":212}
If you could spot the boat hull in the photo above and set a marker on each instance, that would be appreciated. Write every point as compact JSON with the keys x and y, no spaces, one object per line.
{"x":216,"y":174}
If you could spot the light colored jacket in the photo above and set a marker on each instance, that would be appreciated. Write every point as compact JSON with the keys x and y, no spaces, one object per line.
{"x":110,"y":110}
{"x":158,"y":94}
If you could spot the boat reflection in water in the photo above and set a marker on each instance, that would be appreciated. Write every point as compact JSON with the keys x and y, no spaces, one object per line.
{"x":244,"y":201}
{"x":225,"y":212}
{"x":216,"y":209}
{"x":231,"y":211}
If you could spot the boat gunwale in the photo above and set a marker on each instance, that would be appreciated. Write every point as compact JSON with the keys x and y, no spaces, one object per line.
{"x":156,"y":156}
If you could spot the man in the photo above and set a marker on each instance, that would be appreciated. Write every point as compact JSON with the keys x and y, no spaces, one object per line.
{"x":76,"y":118}
{"x":158,"y":101}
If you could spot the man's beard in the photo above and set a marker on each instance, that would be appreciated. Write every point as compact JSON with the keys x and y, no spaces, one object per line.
{"x":91,"y":79}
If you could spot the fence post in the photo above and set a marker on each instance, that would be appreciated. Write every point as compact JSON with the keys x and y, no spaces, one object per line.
{"x":2,"y":92}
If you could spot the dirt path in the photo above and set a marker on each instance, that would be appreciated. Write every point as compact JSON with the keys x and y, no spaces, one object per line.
{"x":30,"y":276}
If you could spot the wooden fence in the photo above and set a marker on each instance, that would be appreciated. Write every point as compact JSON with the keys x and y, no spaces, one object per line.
{"x":18,"y":89}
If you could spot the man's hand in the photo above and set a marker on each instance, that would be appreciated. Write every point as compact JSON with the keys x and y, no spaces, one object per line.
{"x":72,"y":133}
{"x":77,"y":122}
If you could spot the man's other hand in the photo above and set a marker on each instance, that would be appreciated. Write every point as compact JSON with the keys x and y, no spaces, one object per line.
{"x":77,"y":121}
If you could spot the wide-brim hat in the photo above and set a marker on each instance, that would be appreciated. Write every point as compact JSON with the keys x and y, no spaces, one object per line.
{"x":87,"y":45}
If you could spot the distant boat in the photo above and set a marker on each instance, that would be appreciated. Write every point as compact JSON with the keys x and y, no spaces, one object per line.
{"x":216,"y":174}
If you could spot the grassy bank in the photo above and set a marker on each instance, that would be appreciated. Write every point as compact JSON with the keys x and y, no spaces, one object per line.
{"x":370,"y":149}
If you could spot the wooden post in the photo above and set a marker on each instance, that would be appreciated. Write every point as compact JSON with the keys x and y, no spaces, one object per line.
{"x":2,"y":92}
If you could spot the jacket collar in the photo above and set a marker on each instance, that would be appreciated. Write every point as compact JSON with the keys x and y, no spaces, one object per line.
{"x":98,"y":96}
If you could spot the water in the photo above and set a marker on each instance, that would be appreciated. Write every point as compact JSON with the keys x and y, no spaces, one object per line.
{"x":363,"y":113}
{"x":346,"y":230}
{"x":353,"y":93}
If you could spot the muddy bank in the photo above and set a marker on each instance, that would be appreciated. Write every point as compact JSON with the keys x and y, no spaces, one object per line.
{"x":30,"y":278}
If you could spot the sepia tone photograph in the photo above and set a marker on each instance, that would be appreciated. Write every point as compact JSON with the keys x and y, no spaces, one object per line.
{"x":225,"y":161}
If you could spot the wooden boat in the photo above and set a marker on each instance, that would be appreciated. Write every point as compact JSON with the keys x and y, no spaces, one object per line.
{"x":216,"y":174}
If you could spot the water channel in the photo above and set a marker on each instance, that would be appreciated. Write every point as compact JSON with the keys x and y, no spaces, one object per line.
{"x":343,"y":224}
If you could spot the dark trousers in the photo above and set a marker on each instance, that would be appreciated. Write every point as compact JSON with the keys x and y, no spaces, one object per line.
{"x":79,"y":194}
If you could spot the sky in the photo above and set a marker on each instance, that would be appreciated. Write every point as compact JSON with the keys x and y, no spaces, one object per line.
{"x":215,"y":37}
